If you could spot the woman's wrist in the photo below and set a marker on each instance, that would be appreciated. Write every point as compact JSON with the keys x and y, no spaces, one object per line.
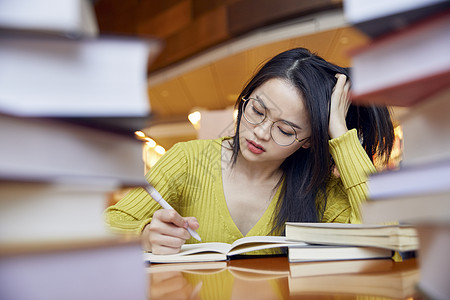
{"x":337,"y":131}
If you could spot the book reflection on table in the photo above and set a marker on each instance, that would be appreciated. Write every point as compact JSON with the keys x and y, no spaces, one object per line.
{"x":305,"y":269}
{"x":397,"y":285}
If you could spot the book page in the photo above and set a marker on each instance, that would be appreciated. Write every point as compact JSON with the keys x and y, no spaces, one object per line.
{"x":204,"y":247}
{"x":253,"y":243}
{"x":192,"y":253}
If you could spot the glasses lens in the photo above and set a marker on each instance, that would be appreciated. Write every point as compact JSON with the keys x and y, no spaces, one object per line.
{"x":283,"y":133}
{"x":254,"y":111}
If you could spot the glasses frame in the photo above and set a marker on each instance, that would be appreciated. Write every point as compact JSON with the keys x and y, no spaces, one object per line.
{"x":245,"y":103}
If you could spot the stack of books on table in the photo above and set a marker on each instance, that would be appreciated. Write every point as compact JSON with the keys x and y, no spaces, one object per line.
{"x":338,"y":242}
{"x":70,"y":101}
{"x":410,"y":67}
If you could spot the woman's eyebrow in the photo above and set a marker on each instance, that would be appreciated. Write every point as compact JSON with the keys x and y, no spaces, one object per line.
{"x":293,"y":124}
{"x":288,"y":122}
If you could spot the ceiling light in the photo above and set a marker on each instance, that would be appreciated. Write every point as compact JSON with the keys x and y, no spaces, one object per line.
{"x":139,"y":134}
{"x":195,"y":118}
{"x":160,"y":150}
{"x":151,"y":143}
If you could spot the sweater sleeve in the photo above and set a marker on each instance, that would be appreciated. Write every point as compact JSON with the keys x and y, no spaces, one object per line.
{"x":354,"y":166}
{"x":135,"y":210}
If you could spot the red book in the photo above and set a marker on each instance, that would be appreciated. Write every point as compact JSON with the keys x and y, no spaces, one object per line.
{"x":404,"y":67}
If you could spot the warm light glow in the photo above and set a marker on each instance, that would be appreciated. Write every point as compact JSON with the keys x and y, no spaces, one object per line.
{"x":398,"y":131}
{"x":235,"y":114}
{"x":150,"y":143}
{"x":160,"y":150}
{"x":195,"y":118}
{"x":139,"y":134}
{"x":151,"y":151}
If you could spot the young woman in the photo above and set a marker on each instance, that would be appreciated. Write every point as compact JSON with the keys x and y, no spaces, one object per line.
{"x":300,"y":152}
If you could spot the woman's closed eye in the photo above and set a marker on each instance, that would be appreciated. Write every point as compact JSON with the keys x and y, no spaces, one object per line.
{"x":258,"y":111}
{"x":285,"y":131}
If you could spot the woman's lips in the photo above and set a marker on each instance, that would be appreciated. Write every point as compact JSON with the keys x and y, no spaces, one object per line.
{"x":254,"y":147}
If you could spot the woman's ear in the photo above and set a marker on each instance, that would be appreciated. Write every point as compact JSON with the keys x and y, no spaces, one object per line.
{"x":307,"y":144}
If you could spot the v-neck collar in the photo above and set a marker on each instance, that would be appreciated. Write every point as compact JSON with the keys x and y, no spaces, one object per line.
{"x":220,"y":194}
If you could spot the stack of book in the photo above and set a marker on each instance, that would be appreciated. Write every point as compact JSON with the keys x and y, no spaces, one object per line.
{"x":410,"y":67}
{"x":70,"y":101}
{"x":391,"y":237}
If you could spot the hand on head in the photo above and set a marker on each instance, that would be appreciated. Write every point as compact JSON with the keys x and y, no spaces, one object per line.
{"x":340,"y":102}
{"x":167,"y":232}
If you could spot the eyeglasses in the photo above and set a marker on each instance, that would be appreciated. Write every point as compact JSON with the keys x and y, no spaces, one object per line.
{"x":282,"y":132}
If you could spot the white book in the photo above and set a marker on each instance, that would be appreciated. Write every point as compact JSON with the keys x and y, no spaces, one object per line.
{"x":48,"y":150}
{"x":433,"y":207}
{"x":67,"y":17}
{"x":382,"y":72}
{"x":109,"y":270}
{"x":426,"y":130}
{"x":103,"y":77}
{"x":434,"y":260}
{"x":309,"y":253}
{"x":40,"y":214}
{"x":410,"y":180}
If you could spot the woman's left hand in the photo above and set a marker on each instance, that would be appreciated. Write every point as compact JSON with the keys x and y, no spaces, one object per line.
{"x":340,"y":102}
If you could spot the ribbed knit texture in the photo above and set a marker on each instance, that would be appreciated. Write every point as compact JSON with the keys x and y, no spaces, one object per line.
{"x":189,"y":177}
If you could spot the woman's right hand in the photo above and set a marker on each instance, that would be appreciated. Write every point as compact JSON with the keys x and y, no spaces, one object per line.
{"x":167,"y":232}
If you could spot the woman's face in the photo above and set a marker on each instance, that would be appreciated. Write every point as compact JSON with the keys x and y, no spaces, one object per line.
{"x":280,"y":101}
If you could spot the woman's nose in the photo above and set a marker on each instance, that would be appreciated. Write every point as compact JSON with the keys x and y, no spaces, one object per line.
{"x":262,"y":130}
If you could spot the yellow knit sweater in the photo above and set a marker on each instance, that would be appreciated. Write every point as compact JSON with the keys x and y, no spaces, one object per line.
{"x":189,"y":177}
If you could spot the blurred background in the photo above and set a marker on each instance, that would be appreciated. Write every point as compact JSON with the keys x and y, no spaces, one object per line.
{"x":212,"y":47}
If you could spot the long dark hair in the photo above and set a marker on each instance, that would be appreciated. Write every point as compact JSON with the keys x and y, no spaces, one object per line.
{"x":307,"y":171}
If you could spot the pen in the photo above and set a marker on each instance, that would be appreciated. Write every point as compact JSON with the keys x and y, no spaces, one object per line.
{"x":150,"y":189}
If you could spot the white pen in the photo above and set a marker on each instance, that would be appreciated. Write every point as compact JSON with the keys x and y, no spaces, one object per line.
{"x":150,"y":189}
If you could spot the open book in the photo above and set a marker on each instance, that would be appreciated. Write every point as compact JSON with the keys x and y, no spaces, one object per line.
{"x":202,"y":252}
{"x":221,"y":251}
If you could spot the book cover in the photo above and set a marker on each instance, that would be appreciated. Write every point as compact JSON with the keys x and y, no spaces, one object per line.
{"x":405,"y":67}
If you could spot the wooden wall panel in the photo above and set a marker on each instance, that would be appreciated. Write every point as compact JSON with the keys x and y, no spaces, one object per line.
{"x":209,"y":29}
{"x":201,"y":86}
{"x":117,"y":16}
{"x":232,"y":73}
{"x":167,"y":22}
{"x":246,"y":15}
{"x":189,"y":27}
